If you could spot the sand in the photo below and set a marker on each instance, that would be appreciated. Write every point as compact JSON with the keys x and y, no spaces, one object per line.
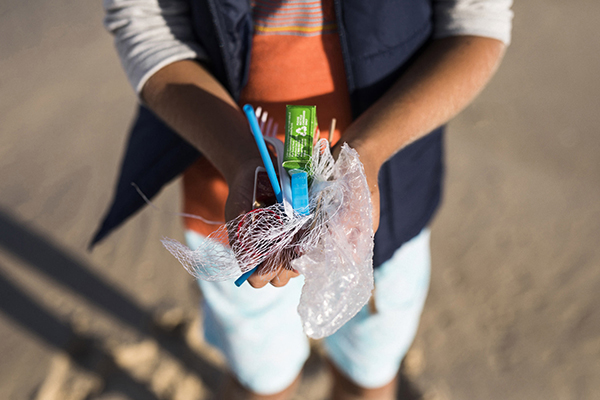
{"x":513,"y":308}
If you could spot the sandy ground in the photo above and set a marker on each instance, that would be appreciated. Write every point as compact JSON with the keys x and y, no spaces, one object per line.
{"x":513,"y":308}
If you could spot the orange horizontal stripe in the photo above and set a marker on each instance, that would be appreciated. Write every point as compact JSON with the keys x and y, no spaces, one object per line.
{"x":303,"y":6}
{"x":287,"y":24}
{"x":270,"y":17}
{"x":289,"y":16}
{"x":294,"y":28}
{"x":283,"y":5}
{"x":285,"y":10}
{"x":292,"y":21}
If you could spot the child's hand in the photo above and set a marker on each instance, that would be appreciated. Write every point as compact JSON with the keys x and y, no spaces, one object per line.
{"x":277,"y":277}
{"x":372,"y":172}
{"x":239,"y":202}
{"x":241,"y":186}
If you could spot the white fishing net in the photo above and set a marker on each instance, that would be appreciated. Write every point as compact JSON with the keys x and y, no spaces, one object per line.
{"x":332,"y":247}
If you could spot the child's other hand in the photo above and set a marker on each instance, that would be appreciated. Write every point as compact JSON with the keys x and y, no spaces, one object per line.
{"x":239,"y":201}
{"x":241,"y":187}
{"x":278,"y":276}
{"x":372,"y":172}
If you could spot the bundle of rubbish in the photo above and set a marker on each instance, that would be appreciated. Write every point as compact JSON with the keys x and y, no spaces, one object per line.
{"x":321,"y":225}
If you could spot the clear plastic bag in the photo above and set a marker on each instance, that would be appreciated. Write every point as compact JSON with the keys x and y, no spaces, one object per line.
{"x":332,"y":247}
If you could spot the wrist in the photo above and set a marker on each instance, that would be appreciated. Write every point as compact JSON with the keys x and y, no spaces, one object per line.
{"x":370,"y":157}
{"x":369,"y":160}
{"x":240,"y":168}
{"x":229,"y":145}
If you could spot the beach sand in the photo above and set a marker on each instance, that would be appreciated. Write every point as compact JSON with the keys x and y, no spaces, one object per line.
{"x":513,"y":307}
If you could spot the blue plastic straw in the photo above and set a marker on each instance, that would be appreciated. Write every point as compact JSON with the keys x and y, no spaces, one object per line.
{"x":239,"y":281}
{"x":264,"y":153}
{"x":266,"y":157}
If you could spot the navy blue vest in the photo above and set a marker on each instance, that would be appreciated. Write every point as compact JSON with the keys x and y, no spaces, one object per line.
{"x":379,"y":39}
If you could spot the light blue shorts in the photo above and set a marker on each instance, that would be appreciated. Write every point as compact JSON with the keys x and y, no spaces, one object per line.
{"x":260,"y":334}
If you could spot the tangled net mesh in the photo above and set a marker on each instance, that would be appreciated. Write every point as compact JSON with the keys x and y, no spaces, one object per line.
{"x":332,"y":246}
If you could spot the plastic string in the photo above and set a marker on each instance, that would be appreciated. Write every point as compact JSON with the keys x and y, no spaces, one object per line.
{"x":148,"y":202}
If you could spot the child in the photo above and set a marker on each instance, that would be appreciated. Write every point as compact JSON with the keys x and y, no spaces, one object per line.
{"x":391,"y":73}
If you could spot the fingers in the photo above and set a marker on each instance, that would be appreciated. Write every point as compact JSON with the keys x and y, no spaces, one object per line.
{"x":284,"y":277}
{"x":260,"y":278}
{"x":277,"y":277}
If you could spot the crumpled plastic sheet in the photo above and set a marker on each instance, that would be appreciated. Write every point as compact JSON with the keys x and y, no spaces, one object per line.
{"x":332,"y":247}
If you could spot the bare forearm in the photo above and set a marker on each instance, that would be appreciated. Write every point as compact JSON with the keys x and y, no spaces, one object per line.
{"x":196,"y":106}
{"x":442,"y":81}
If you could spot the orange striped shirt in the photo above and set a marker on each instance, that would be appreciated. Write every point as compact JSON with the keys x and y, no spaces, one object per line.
{"x":296,"y":59}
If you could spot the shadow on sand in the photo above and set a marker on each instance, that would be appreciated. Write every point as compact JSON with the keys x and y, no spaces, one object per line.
{"x":52,"y":261}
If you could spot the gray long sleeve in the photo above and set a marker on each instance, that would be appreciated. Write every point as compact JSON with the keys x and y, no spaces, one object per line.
{"x":150,"y":34}
{"x":488,"y":18}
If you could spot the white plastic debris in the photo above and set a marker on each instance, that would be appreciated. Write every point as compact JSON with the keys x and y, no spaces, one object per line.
{"x":332,"y":247}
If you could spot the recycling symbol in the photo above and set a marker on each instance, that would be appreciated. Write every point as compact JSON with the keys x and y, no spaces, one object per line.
{"x":301,"y":131}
